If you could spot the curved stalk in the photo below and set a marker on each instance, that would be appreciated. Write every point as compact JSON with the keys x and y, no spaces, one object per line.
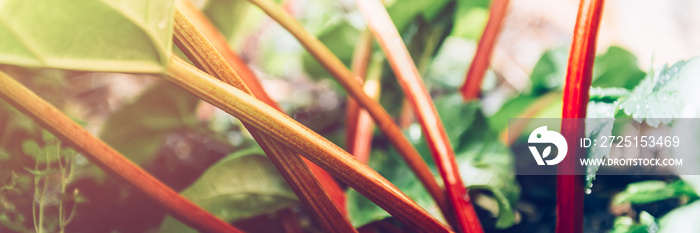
{"x":411,"y":82}
{"x":291,"y":166}
{"x":303,"y":141}
{"x":477,"y":70}
{"x":578,"y":81}
{"x":348,"y":80}
{"x":248,"y":76}
{"x":108,"y":159}
{"x":221,"y":44}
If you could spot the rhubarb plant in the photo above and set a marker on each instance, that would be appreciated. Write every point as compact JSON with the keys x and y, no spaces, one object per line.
{"x":318,"y":116}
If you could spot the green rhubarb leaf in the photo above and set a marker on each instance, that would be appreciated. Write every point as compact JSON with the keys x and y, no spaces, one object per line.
{"x":242,"y":185}
{"x":550,"y":71}
{"x":511,"y":109}
{"x":138,"y":129}
{"x":656,"y":99}
{"x":104,"y":35}
{"x":390,"y":165}
{"x":616,"y":68}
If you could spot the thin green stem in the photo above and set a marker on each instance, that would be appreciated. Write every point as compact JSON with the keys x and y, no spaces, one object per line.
{"x":43,"y":194}
{"x":106,"y":157}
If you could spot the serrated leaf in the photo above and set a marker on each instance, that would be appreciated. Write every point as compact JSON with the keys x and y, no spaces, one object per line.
{"x":655,"y":100}
{"x":239,"y":186}
{"x":138,"y":129}
{"x":607,"y":94}
{"x":106,"y":35}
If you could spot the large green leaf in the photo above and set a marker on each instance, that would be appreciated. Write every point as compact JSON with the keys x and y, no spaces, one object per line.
{"x":242,"y":185}
{"x":138,"y":129}
{"x":482,"y":160}
{"x":105,"y":35}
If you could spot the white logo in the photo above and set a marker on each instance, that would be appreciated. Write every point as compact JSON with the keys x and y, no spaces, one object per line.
{"x":541,"y":135}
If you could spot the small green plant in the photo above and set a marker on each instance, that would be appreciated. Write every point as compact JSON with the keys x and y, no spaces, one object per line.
{"x":51,"y":184}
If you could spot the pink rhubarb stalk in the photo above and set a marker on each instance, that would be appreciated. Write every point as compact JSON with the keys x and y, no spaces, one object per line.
{"x":570,"y":190}
{"x":385,"y":32}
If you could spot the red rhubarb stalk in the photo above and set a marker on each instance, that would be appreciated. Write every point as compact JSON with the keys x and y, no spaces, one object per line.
{"x":411,"y":82}
{"x":350,"y":83}
{"x":570,"y":191}
{"x":477,"y":70}
{"x":291,"y":166}
{"x":251,"y":81}
{"x":303,"y":141}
